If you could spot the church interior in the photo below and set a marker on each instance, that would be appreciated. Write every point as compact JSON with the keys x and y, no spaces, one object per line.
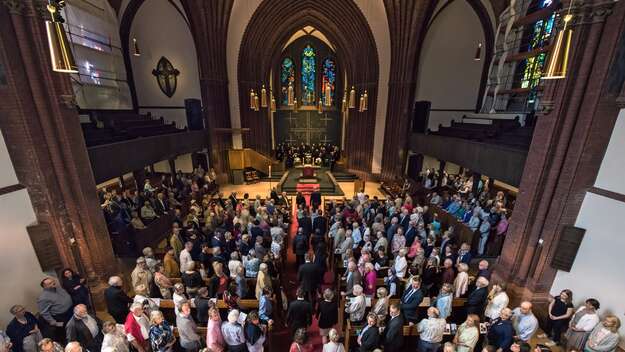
{"x":312,"y":175}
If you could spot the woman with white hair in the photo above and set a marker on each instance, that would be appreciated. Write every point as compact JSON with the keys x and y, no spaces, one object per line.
{"x":333,"y":345}
{"x":262,"y":280}
{"x":251,"y":264}
{"x":232,"y":333}
{"x":356,"y":306}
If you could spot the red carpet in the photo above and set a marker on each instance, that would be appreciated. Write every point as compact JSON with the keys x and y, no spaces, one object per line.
{"x":281,"y":337}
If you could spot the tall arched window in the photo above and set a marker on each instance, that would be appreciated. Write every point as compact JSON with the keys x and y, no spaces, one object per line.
{"x":287,"y":75}
{"x":537,"y":36}
{"x":329,"y":79}
{"x":308,"y":75}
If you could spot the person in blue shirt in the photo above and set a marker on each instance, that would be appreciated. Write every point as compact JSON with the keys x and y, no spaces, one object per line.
{"x":444,"y":301}
{"x":265,"y":306}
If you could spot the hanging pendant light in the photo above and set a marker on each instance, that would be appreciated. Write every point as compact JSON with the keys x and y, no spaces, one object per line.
{"x":272,"y":105}
{"x":252,"y":95}
{"x":320,"y":107}
{"x":290,"y":96}
{"x":135,"y":45}
{"x":559,"y":56}
{"x":256,"y":105}
{"x":344,"y":103}
{"x":263,"y":97}
{"x":295,"y":105}
{"x":365,"y":104}
{"x":352,"y":98}
{"x":361,"y":103}
{"x":60,"y":51}
{"x":478,"y":52}
{"x":328,"y":94}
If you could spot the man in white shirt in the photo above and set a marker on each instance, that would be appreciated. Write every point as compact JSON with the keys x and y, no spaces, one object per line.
{"x":431,"y":331}
{"x":185,"y":257}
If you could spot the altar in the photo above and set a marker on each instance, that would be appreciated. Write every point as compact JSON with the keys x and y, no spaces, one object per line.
{"x":308,"y":174}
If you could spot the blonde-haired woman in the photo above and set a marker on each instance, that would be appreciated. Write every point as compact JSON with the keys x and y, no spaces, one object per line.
{"x":497,"y":300}
{"x":214,"y":338}
{"x":467,"y":334}
{"x":381,"y":305}
{"x":161,"y":334}
{"x":461,"y":282}
{"x":262,"y":280}
{"x":333,"y":345}
{"x":604,"y":337}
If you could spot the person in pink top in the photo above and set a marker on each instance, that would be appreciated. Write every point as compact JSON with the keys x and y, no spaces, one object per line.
{"x":414,"y":248}
{"x":214,"y":339}
{"x":369,"y":279}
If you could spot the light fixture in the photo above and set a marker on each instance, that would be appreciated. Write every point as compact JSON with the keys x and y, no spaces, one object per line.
{"x":328,"y":95}
{"x":290,"y":100}
{"x":352,"y":98}
{"x":263,"y":97}
{"x":478,"y":52}
{"x":361,"y":103}
{"x":365,"y":106}
{"x":135,"y":45}
{"x":295,"y":105}
{"x":252,"y":96}
{"x":344,"y":107}
{"x":273,"y":103}
{"x":320,"y":107}
{"x":559,"y":56}
{"x":60,"y":51}
{"x":256,"y":105}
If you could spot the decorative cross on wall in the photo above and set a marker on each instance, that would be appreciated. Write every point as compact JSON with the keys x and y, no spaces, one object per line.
{"x":166,"y":76}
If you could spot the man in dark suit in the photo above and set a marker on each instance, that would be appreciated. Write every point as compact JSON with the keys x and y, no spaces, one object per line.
{"x":160,"y":205}
{"x":85,"y":329}
{"x":315,"y":199}
{"x":476,"y":301}
{"x":411,"y":299}
{"x":501,"y":332}
{"x":320,"y":223}
{"x":411,"y":234}
{"x":256,"y":231}
{"x":117,"y":302}
{"x":369,"y":337}
{"x":300,"y":246}
{"x":309,"y":276}
{"x":391,"y":230}
{"x":394,"y":330}
{"x":305,"y":223}
{"x":404,"y":219}
{"x":299,"y":314}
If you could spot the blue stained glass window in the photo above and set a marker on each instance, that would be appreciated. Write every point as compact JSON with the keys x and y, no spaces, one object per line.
{"x":287,"y":74}
{"x":308,"y":76}
{"x":329,"y":78}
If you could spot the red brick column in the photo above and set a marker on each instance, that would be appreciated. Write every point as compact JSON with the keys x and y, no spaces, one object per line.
{"x":573,"y":129}
{"x":40,"y":124}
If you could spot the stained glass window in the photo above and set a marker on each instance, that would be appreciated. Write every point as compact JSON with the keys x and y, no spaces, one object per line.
{"x":329,"y":79}
{"x":308,"y":76}
{"x":531,"y":68}
{"x":287,"y":74}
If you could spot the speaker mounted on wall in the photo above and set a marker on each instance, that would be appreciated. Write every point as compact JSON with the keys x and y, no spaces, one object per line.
{"x":566,"y":249}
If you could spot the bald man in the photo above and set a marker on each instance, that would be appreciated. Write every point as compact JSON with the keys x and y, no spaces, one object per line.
{"x":524,"y":322}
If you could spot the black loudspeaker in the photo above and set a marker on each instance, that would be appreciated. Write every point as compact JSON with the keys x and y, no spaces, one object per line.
{"x":420,"y":116}
{"x":415,"y":164}
{"x":195,"y":121}
{"x":566,"y":250}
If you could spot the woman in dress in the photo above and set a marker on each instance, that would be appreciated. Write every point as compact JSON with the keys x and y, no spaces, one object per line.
{"x":161,"y":334}
{"x":369,"y":279}
{"x":444,"y":301}
{"x":497,"y":300}
{"x":214,"y":339}
{"x":114,"y":337}
{"x":75,"y":286}
{"x":604,"y":337}
{"x":327,"y":314}
{"x":299,"y":342}
{"x":467,"y":334}
{"x":560,"y":313}
{"x":398,"y":242}
{"x":23,"y":330}
{"x":584,"y":320}
{"x":333,"y":344}
{"x":380,"y":309}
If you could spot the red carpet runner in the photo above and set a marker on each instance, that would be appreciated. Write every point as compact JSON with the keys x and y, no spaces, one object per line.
{"x":281,"y":337}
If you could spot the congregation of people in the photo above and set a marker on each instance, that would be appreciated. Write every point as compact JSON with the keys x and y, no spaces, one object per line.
{"x":321,"y":154}
{"x":387,"y":265}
